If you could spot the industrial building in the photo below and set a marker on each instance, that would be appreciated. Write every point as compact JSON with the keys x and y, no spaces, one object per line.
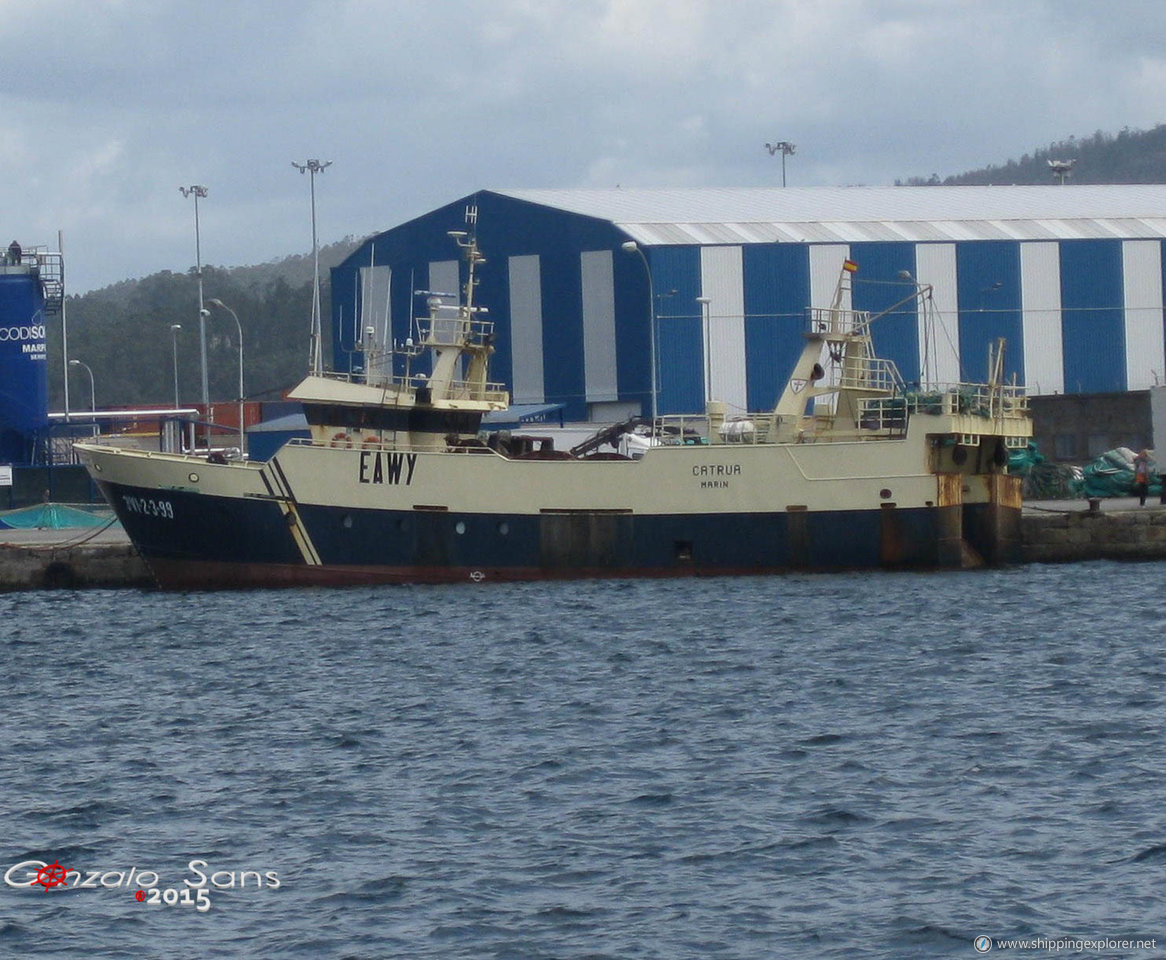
{"x":578,"y":281}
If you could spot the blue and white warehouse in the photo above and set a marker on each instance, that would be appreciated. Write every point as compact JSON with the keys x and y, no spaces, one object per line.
{"x":578,"y":282}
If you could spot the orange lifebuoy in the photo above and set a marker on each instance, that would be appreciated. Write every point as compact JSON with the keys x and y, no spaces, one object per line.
{"x":341,"y":440}
{"x":372,"y":441}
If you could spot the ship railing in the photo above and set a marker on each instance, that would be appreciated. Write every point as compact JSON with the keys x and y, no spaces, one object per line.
{"x":982,"y":401}
{"x":458,"y":390}
{"x":468,"y":390}
{"x":827,"y":320}
{"x":455,"y":331}
{"x":675,"y":430}
{"x":52,"y":276}
{"x":871,"y":373}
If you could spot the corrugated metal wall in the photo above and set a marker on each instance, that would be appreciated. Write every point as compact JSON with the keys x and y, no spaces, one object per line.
{"x":526,"y":329}
{"x":1142,"y":274}
{"x":722,"y":281}
{"x":597,"y":271}
{"x":680,"y":350}
{"x":1092,"y":324}
{"x":989,"y":297}
{"x":939,"y":327}
{"x":884,"y":277}
{"x":1044,"y":353}
{"x":777,"y":290}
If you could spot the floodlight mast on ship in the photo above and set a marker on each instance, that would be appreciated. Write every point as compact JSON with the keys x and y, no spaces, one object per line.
{"x":399,"y":483}
{"x":315,"y":350}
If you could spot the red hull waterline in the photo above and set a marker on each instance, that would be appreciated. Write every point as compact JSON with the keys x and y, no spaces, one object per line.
{"x":209,"y":575}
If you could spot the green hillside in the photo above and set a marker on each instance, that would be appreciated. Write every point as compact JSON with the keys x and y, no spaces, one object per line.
{"x":1132,"y":156}
{"x":123,"y":333}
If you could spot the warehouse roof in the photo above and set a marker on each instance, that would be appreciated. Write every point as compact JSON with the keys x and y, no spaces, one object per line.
{"x":857,"y":214}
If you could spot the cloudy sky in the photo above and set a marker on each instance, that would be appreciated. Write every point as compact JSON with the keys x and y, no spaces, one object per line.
{"x":108,"y":106}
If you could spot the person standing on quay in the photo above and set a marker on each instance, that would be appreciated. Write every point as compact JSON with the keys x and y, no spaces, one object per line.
{"x":1142,"y":475}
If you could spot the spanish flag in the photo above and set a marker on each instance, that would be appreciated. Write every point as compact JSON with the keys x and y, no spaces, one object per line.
{"x":850,"y":266}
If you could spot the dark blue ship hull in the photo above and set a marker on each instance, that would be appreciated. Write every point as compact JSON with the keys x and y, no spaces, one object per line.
{"x":195,"y":540}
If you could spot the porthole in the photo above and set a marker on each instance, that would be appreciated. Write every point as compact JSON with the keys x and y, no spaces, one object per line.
{"x":460,"y":527}
{"x":503,"y":528}
{"x":885,"y":494}
{"x":194,"y":478}
{"x":346,"y":523}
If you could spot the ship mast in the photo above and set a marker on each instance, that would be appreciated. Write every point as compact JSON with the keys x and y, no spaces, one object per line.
{"x":841,"y":337}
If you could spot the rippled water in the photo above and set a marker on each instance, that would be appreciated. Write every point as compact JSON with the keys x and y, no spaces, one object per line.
{"x":876,"y":765}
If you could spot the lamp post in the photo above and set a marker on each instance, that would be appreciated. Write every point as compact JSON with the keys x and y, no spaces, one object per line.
{"x":174,"y":328}
{"x":215,"y":302}
{"x":314,"y":356}
{"x":631,"y":247}
{"x":197,"y":191}
{"x":706,"y":317}
{"x":92,"y":390}
{"x":786,"y":149}
{"x":64,"y":321}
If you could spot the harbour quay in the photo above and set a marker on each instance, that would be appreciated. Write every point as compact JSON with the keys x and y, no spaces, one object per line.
{"x":1117,"y":528}
{"x":70,"y":559}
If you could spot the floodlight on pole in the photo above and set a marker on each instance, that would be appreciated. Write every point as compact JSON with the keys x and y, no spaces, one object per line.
{"x":198,"y":191}
{"x":216,"y":302}
{"x":92,"y":390}
{"x":630,"y":247}
{"x":315,"y":364}
{"x":1061,"y":169}
{"x":707,"y":319}
{"x":174,"y":328}
{"x":64,"y":322}
{"x":786,"y":149}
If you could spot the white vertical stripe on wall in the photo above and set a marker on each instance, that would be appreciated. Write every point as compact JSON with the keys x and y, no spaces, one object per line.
{"x":1142,"y":271}
{"x":376,"y":285}
{"x":526,"y":329}
{"x":599,"y":354}
{"x":1040,"y":303}
{"x":825,"y":268}
{"x":939,"y":347}
{"x":443,"y":278}
{"x":722,"y":280}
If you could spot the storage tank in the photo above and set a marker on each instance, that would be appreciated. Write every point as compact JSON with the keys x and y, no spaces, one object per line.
{"x":23,"y":363}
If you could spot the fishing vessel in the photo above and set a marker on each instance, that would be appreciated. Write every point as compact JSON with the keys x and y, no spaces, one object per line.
{"x":398,"y":483}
